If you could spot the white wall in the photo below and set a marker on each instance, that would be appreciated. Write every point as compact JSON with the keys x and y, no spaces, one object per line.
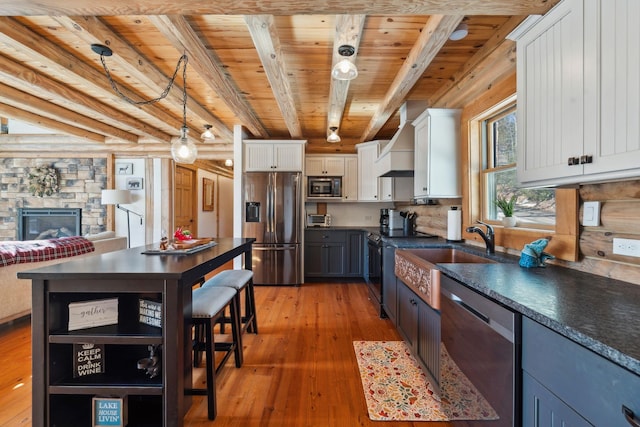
{"x":137,"y":205}
{"x":225,"y":210}
{"x":352,"y":214}
{"x":207,"y":220}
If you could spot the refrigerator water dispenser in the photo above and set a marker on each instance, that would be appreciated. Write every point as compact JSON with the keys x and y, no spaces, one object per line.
{"x":252,"y":211}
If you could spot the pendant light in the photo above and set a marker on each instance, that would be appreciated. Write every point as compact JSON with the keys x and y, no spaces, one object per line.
{"x":345,"y":69}
{"x":207,"y":135}
{"x":333,"y":136}
{"x":182,"y":150}
{"x":460,"y":32}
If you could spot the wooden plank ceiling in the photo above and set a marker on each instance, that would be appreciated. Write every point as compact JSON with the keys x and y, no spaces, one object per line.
{"x":264,"y":65}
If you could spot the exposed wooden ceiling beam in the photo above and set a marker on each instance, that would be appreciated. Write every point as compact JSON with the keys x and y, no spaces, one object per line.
{"x":433,"y":36}
{"x":45,"y":122}
{"x":91,"y":30}
{"x":27,"y":102}
{"x":248,"y":7}
{"x":469,"y":73}
{"x":179,"y":32}
{"x":267,"y":42}
{"x":22,"y":39}
{"x":28,"y":80}
{"x":348,"y":31}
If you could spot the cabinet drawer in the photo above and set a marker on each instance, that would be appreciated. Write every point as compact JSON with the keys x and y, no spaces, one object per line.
{"x":327,"y":236}
{"x":591,"y":385}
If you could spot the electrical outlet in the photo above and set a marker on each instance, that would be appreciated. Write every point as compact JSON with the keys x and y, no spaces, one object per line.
{"x":628,"y":247}
{"x":368,"y":218}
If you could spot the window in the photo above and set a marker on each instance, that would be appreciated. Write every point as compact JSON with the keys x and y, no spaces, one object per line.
{"x":533,"y":207}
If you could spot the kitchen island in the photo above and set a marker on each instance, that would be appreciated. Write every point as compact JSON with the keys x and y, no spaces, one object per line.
{"x":125,"y":280}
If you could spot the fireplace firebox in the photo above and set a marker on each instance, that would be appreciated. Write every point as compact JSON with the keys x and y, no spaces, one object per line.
{"x":48,"y":223}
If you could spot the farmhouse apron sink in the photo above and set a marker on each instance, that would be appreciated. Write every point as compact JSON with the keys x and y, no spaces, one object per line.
{"x":417,"y":268}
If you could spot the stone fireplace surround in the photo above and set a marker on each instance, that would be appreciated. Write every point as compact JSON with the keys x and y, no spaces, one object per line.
{"x":81,"y":182}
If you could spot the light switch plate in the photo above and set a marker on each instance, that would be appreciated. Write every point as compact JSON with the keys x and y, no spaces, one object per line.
{"x":591,"y":214}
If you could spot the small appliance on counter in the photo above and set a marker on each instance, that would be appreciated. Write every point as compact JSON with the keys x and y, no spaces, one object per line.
{"x":384,"y":218}
{"x":318,"y":220}
{"x":395,"y":220}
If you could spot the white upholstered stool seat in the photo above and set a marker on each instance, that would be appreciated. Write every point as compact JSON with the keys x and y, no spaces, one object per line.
{"x":208,"y":308}
{"x":239,"y":280}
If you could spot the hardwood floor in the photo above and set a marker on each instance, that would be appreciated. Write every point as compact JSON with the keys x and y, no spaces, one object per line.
{"x":300,"y":370}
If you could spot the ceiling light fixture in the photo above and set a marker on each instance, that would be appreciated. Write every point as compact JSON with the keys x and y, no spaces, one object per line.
{"x":228,"y":163}
{"x":460,"y":32}
{"x":345,"y":69}
{"x":207,"y":135}
{"x":182,"y":150}
{"x":333,"y":136}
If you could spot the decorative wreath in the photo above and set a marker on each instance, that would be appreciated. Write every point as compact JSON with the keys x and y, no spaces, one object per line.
{"x":43,"y":181}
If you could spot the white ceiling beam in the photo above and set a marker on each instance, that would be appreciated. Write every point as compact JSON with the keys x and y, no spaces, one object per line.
{"x":45,"y":122}
{"x":267,"y":43}
{"x":348,"y":31}
{"x":433,"y":36}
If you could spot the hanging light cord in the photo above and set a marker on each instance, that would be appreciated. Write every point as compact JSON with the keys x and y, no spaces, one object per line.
{"x":182,"y":61}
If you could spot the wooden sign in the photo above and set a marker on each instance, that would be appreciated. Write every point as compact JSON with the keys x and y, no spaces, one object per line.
{"x":150,"y":313}
{"x":89,"y":314}
{"x":88,"y":359}
{"x":109,"y":411}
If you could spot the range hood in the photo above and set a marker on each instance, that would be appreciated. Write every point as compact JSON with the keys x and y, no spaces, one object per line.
{"x":396,"y":157}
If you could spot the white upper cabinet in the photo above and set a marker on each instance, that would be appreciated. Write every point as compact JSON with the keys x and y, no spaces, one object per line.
{"x":437,"y":154}
{"x":350,"y":179}
{"x":367,"y":174}
{"x":280,"y":156}
{"x":324,"y":165}
{"x":578,"y":91}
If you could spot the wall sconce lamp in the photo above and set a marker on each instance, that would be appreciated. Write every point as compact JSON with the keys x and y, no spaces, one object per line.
{"x":182,"y":150}
{"x":333,"y":136}
{"x":115,"y":197}
{"x":345,"y":69}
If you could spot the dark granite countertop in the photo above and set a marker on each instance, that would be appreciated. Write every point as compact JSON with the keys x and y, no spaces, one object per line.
{"x":599,"y":313}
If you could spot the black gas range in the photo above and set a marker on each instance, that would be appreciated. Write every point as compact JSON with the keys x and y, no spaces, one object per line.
{"x":374,"y":266}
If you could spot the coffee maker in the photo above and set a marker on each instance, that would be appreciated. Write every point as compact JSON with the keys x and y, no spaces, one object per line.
{"x":384,"y":218}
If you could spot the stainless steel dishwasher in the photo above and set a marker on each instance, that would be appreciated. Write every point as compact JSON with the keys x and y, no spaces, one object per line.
{"x":483,"y":339}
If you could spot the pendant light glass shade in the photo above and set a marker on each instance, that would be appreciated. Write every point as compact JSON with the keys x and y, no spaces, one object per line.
{"x":183,"y":150}
{"x":344,"y":70}
{"x":207,"y":135}
{"x":333,"y":136}
{"x":460,"y":32}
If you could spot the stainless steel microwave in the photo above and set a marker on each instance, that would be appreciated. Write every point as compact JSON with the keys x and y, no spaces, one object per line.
{"x":324,"y":186}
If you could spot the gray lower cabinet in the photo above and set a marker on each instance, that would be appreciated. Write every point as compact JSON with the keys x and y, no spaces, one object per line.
{"x":333,"y":253}
{"x":389,"y":284}
{"x":567,"y":384}
{"x":419,"y":325}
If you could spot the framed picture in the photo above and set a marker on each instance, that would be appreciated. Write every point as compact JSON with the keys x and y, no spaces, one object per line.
{"x":134,"y":184}
{"x":124,"y":168}
{"x":207,"y":194}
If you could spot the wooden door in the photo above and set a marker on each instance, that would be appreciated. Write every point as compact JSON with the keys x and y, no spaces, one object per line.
{"x":185,"y":199}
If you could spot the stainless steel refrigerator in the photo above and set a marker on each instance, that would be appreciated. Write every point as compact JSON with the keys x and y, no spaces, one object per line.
{"x":272,"y":215}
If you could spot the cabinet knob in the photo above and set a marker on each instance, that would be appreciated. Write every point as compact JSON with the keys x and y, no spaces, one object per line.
{"x":586,"y":159}
{"x":413,"y":302}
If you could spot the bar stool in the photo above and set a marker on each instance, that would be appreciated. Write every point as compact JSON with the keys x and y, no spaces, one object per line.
{"x":208,"y":307}
{"x":238,"y":280}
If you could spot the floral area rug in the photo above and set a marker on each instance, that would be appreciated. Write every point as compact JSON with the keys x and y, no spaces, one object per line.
{"x":396,"y":388}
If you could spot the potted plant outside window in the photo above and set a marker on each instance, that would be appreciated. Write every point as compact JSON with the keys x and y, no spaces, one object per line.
{"x":507,"y":206}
